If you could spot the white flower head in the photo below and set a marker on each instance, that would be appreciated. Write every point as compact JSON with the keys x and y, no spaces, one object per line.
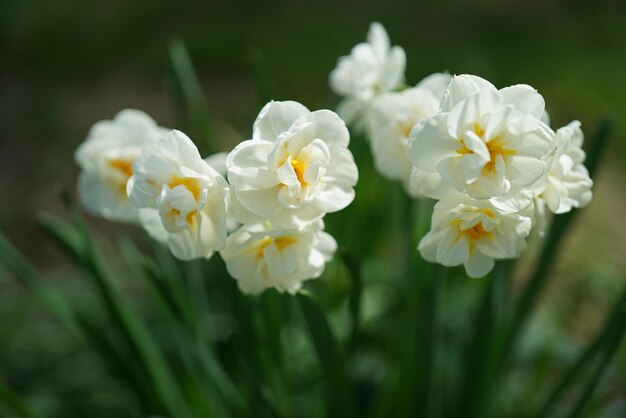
{"x":568,"y":184}
{"x":189,"y":196}
{"x":373,"y":67}
{"x":473,"y":233}
{"x":260,"y":257}
{"x":294,"y":170}
{"x":484,"y":142}
{"x":106,"y":158}
{"x":390,"y":120}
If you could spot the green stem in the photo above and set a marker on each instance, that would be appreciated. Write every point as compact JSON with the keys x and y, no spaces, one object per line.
{"x":329,"y":353}
{"x":479,"y":365}
{"x":353,"y":265}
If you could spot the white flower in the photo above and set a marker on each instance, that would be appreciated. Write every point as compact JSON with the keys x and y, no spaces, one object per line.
{"x":391,"y":118}
{"x":105,"y":159}
{"x":260,"y":257}
{"x":473,"y":233}
{"x":371,"y":68}
{"x":296,"y":168}
{"x":188,"y":195}
{"x":484,"y":142}
{"x":568,"y":184}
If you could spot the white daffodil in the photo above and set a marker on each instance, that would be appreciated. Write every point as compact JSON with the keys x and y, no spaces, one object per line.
{"x":105,"y":159}
{"x":568,"y":184}
{"x":296,"y":168}
{"x":373,"y":67}
{"x":391,"y":118}
{"x":189,"y":196}
{"x":473,"y":233}
{"x":261,"y":257}
{"x":484,"y":142}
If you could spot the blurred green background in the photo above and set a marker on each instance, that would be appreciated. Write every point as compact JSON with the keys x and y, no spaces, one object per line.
{"x":66,"y":64}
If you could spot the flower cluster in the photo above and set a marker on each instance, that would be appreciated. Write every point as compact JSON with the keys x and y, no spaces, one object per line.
{"x":488,"y":156}
{"x":294,"y":170}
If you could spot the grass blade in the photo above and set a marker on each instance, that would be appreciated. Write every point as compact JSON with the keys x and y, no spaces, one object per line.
{"x":11,"y":401}
{"x":479,"y":366}
{"x":16,"y":263}
{"x":188,"y":91}
{"x":539,"y":278}
{"x":353,"y":265}
{"x":265,"y":85}
{"x":607,"y":338}
{"x":122,"y":317}
{"x":328,"y":351}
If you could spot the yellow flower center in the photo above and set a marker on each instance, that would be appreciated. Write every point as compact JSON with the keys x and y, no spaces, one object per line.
{"x":478,"y":231}
{"x":190,"y":218}
{"x":495,"y":147}
{"x":404,"y":127}
{"x":299,"y":168}
{"x":280,"y":242}
{"x":123,"y":166}
{"x":192,"y":184}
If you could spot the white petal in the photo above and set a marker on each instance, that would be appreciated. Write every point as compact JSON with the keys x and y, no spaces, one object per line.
{"x":393,"y":72}
{"x":437,"y":83}
{"x":151,"y":222}
{"x":342,"y":170}
{"x":453,"y":248}
{"x":378,"y":38}
{"x":276,"y":118}
{"x":467,"y":113}
{"x":524,"y":171}
{"x":107,"y":200}
{"x":328,"y":126}
{"x":478,"y":265}
{"x":429,"y":243}
{"x":248,"y":154}
{"x":461,"y":88}
{"x":218,"y":162}
{"x":334,"y":198}
{"x":177,"y":147}
{"x":524,"y":98}
{"x":430,"y":143}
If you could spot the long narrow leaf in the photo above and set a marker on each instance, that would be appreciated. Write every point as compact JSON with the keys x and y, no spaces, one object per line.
{"x":328,"y":352}
{"x":265,"y":85}
{"x":201,"y":125}
{"x":11,"y":401}
{"x":16,"y":263}
{"x":548,"y":256}
{"x":605,"y":339}
{"x":118,"y":308}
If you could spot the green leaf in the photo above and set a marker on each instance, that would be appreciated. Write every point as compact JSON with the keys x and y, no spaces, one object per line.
{"x":11,"y":401}
{"x":121,"y":315}
{"x":16,"y":263}
{"x":479,"y":365}
{"x":265,"y":85}
{"x":540,"y":277}
{"x":605,"y":343}
{"x":204,"y":361}
{"x":353,"y":265}
{"x":187,"y":89}
{"x":116,"y":360}
{"x":328,"y":352}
